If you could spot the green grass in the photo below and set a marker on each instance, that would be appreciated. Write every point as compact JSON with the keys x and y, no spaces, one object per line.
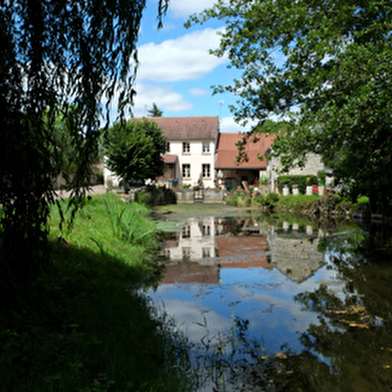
{"x":85,"y":325}
{"x":297,"y":203}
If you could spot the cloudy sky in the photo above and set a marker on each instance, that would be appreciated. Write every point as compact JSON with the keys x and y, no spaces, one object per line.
{"x":176,"y":71}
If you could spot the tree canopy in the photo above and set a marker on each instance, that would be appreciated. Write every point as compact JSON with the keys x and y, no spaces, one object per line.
{"x":326,"y":65}
{"x":57,"y":57}
{"x":155,"y":111}
{"x":134,"y":150}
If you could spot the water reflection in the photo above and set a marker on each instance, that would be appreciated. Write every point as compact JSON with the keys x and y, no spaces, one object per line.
{"x":218,"y":268}
{"x":323,"y":299}
{"x":203,"y":246}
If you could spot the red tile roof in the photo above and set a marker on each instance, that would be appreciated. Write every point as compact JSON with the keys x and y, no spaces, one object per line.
{"x":243,"y":252}
{"x":190,"y":273}
{"x":170,"y":158}
{"x":227,"y":151}
{"x":188,"y":128}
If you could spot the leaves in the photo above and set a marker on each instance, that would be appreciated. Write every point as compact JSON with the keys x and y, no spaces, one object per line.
{"x":325,"y":66}
{"x":134,"y":150}
{"x":58,"y":57}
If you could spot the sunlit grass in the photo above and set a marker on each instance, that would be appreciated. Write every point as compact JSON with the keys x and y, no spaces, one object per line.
{"x":86,"y":325}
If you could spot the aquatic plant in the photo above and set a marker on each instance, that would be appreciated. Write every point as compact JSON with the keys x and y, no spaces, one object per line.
{"x":128,"y":224}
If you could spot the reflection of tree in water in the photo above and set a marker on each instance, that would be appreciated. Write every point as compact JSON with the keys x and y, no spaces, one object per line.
{"x":237,"y":362}
{"x":351,"y":348}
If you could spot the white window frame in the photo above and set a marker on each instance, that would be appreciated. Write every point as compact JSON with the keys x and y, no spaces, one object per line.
{"x":186,"y":147}
{"x":206,"y":170}
{"x":186,"y":170}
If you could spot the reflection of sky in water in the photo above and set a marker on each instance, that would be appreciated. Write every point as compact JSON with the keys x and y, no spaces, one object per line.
{"x":262,"y":296}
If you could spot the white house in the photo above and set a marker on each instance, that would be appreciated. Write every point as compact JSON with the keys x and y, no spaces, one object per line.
{"x":190,"y":159}
{"x":191,"y":148}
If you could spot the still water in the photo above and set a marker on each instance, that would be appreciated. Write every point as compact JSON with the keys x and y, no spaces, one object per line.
{"x":314,"y":302}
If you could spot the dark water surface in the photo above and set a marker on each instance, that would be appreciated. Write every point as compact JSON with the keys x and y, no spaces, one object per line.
{"x":311,"y":308}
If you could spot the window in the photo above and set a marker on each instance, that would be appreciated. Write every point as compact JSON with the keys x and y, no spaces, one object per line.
{"x":186,"y":253}
{"x":206,"y":253}
{"x":186,"y":231}
{"x":186,"y":171}
{"x":168,"y":147}
{"x":206,"y":230}
{"x":206,"y":171}
{"x":206,"y":147}
{"x":186,"y":148}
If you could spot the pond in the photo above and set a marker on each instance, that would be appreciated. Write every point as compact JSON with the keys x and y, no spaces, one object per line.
{"x":278,"y":304}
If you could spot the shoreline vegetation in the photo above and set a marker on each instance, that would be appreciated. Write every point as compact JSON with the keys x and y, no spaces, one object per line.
{"x":329,"y":206}
{"x":84,"y":324}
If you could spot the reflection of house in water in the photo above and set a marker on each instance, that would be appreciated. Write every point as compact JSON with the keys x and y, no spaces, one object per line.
{"x":203,"y":246}
{"x":191,"y":272}
{"x":191,"y":254}
{"x":196,"y":241}
{"x":243,"y":251}
{"x":295,"y":254}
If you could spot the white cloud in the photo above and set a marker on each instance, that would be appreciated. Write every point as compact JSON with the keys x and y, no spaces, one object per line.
{"x":227,"y":124}
{"x":165,"y":98}
{"x":198,"y":92}
{"x":184,"y":58}
{"x":184,"y":8}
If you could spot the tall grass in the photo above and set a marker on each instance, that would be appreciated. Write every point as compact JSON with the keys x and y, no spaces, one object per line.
{"x":127,"y":223}
{"x":86,"y":325}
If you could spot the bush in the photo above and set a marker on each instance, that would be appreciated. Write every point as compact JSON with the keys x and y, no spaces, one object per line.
{"x":301,"y":181}
{"x":239,"y":199}
{"x":271,"y":200}
{"x":258,"y":200}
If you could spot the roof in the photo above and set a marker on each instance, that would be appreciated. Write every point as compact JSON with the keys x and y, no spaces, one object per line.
{"x":169,"y":158}
{"x":188,"y":128}
{"x":227,"y":151}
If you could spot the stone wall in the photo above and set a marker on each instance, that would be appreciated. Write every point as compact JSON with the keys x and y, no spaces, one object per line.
{"x":312,"y":167}
{"x":184,"y":196}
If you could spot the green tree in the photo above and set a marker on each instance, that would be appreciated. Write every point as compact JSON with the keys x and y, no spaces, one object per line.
{"x":134,"y":150}
{"x":327,"y":66}
{"x":57,"y":57}
{"x":155,"y":111}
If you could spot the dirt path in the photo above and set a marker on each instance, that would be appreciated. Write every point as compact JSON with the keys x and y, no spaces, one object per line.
{"x":95,"y":190}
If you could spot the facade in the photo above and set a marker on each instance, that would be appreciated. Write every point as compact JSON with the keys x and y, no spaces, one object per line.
{"x":199,"y":155}
{"x":191,"y":149}
{"x":232,"y":173}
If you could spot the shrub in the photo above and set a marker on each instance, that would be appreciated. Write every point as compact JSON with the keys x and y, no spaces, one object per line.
{"x":271,"y":200}
{"x":239,"y":199}
{"x":258,"y":200}
{"x":301,"y":181}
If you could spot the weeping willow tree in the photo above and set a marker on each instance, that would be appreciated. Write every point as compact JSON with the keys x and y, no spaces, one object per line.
{"x":68,"y":58}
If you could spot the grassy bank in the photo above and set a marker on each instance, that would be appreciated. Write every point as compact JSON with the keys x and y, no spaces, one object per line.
{"x":328,"y":206}
{"x":85,"y":326}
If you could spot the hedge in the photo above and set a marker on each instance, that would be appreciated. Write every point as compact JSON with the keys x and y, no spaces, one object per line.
{"x":301,"y":181}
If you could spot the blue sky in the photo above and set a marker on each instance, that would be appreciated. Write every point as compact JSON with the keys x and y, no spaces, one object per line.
{"x":176,"y":71}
